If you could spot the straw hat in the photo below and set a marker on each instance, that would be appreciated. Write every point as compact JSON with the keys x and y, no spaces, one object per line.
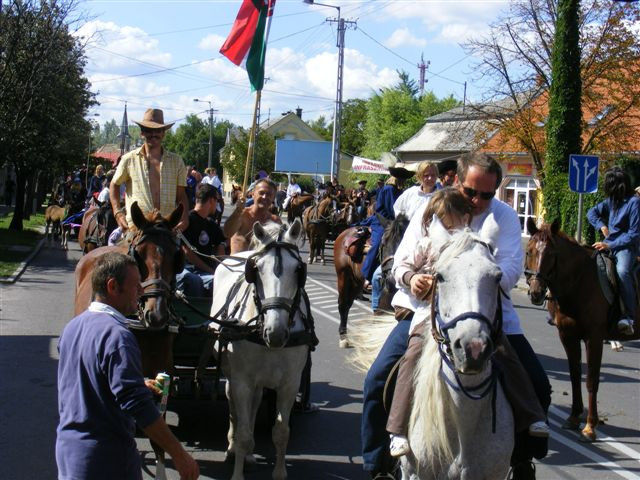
{"x":154,"y":118}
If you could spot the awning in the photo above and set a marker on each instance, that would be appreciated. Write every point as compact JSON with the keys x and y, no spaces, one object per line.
{"x":366,"y":165}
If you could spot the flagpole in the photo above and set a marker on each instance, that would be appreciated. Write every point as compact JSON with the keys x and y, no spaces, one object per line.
{"x":252,"y":138}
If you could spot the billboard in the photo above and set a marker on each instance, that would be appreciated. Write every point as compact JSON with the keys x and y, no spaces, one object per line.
{"x":303,"y":156}
{"x":366,"y":165}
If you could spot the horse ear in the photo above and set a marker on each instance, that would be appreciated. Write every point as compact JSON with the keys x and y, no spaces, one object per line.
{"x":138,"y":217}
{"x":555,"y":226}
{"x":490,"y":230}
{"x":259,"y":232}
{"x":383,"y":221}
{"x":175,"y":216}
{"x":294,"y":232}
{"x":532,"y":228}
{"x":437,"y":233}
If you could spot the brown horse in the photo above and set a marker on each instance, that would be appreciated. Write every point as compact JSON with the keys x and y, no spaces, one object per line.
{"x":297,"y":205}
{"x":159,"y":258}
{"x":316,"y":221}
{"x":348,"y":270}
{"x":556,"y":262}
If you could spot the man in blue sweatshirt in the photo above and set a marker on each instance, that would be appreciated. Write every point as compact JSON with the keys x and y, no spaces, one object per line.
{"x":618,"y":218}
{"x":102,"y":394}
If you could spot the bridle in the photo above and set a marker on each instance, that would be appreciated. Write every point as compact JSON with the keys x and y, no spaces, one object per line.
{"x":264,"y":304}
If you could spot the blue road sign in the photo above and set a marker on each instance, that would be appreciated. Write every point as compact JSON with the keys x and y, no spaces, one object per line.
{"x":583,"y":173}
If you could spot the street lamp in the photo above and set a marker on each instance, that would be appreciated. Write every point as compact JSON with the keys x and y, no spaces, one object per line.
{"x":210,"y":161}
{"x":92,"y":124}
{"x":337,"y":112}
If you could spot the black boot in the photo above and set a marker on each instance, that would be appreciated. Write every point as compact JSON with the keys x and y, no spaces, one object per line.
{"x":524,"y":470}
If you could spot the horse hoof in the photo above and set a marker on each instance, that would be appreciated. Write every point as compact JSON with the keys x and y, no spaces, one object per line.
{"x":588,"y":435}
{"x":344,"y":342}
{"x":616,"y":346}
{"x":571,"y":424}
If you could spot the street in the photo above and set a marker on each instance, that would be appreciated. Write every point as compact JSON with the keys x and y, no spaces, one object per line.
{"x":323,"y":445}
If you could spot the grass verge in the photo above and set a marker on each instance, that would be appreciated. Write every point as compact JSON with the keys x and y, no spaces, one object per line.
{"x":15,"y":247}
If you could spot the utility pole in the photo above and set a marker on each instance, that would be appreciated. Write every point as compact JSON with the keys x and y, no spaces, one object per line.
{"x":211,"y":111}
{"x":422,"y":67}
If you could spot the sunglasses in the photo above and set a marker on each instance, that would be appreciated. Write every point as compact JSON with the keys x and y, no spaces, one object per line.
{"x":472,"y":193}
{"x":148,"y":131}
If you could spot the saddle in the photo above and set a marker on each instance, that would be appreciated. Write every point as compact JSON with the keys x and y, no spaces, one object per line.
{"x":357,"y":244}
{"x":609,"y":281}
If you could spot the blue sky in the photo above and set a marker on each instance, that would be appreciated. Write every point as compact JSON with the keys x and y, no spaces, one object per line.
{"x":128,"y":42}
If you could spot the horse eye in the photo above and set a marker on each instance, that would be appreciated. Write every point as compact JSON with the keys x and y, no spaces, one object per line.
{"x":439,"y":277}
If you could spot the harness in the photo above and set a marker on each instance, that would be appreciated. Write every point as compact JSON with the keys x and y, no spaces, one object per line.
{"x":440,"y":332}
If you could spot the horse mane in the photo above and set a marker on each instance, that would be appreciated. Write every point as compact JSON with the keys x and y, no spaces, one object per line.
{"x":396,"y":230}
{"x":461,"y":241}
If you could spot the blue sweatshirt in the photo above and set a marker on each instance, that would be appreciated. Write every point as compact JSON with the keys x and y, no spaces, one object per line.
{"x":623,"y":223}
{"x":101,"y":396}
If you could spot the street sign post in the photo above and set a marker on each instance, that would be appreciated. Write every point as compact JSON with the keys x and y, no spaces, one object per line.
{"x":583,"y":178}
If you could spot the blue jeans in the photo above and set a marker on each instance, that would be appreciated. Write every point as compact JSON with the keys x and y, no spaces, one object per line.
{"x":625,"y":263}
{"x":194,"y":282}
{"x":375,"y":439}
{"x":376,"y":288}
{"x":371,"y":260}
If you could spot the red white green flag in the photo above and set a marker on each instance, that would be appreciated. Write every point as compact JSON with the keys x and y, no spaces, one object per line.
{"x":247,"y":43}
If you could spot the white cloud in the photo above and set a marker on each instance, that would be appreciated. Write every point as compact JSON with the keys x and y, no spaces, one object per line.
{"x":402,"y":37}
{"x":211,"y":42}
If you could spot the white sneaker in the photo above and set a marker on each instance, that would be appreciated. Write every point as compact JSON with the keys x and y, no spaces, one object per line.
{"x":539,"y":429}
{"x":625,"y":326}
{"x":399,"y":445}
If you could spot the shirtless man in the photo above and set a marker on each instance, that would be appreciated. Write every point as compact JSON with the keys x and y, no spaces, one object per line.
{"x":239,"y":226}
{"x":146,"y":182}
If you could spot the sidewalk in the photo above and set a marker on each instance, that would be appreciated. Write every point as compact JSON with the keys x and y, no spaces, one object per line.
{"x":4,"y":211}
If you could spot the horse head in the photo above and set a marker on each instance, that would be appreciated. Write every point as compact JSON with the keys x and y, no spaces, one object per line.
{"x":466,"y":306}
{"x":278,"y":274}
{"x":540,"y":258}
{"x":391,"y":238}
{"x":159,"y":257}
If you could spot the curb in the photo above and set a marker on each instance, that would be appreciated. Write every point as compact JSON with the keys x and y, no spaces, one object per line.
{"x":23,"y":266}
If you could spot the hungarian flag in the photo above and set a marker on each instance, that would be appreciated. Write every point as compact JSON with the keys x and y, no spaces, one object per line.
{"x":247,"y":42}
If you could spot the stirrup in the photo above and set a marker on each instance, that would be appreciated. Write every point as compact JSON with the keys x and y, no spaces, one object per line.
{"x":625,"y":326}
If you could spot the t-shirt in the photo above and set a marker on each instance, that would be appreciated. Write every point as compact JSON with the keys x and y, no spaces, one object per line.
{"x":204,"y":234}
{"x":101,"y":392}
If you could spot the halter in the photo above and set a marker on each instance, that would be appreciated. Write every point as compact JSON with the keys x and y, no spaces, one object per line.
{"x":440,"y":332}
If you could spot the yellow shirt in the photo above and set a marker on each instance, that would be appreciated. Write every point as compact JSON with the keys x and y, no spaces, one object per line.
{"x":133,"y":171}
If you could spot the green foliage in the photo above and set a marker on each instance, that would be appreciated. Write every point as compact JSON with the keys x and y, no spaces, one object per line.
{"x":234,"y":155}
{"x":44,"y":96}
{"x":306,"y":184}
{"x":395,"y":114}
{"x":354,"y":114}
{"x":322,"y":127}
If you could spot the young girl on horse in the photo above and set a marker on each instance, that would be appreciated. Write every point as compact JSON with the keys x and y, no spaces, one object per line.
{"x":453,"y":210}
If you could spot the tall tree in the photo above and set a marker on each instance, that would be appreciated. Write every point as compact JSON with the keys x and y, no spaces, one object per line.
{"x":234,"y":154}
{"x":322,"y":127}
{"x":44,"y":96}
{"x":516,"y":65}
{"x":354,"y":114}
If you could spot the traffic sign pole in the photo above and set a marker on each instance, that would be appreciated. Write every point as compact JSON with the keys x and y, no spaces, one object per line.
{"x":580,"y":205}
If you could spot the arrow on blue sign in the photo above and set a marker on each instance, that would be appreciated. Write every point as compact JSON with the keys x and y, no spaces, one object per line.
{"x":583,"y":173}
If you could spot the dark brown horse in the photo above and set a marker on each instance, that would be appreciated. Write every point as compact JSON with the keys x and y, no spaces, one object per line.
{"x":348,"y":270}
{"x":159,"y":258}
{"x":297,"y":205}
{"x":568,"y":270}
{"x":97,"y":224}
{"x":316,"y":220}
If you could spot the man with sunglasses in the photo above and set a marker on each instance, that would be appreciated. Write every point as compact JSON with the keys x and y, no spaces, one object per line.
{"x":478,"y":177}
{"x":154,"y":177}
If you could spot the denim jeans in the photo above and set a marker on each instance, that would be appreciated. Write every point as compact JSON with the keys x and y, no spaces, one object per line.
{"x":371,"y":261}
{"x":376,"y":288}
{"x":194,"y":282}
{"x":375,"y":439}
{"x":625,"y":263}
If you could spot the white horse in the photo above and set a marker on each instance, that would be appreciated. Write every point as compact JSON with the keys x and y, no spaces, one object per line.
{"x":454,"y":433}
{"x":267,"y":291}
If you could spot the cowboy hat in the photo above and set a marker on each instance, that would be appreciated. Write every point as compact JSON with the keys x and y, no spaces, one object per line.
{"x":400,"y":172}
{"x":446,"y":165}
{"x":154,"y":118}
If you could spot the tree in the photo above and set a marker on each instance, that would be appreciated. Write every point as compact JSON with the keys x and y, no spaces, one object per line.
{"x":322,"y":127}
{"x":191,"y":141}
{"x":44,"y":96}
{"x":516,"y":65}
{"x":395,"y":114}
{"x":354,"y":114}
{"x":234,"y":155}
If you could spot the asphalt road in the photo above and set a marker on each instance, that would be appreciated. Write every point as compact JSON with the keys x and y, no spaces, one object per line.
{"x":323,"y":445}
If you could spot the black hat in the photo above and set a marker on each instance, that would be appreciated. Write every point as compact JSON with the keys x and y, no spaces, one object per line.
{"x":401,"y":173}
{"x":446,"y":165}
{"x":362,"y":182}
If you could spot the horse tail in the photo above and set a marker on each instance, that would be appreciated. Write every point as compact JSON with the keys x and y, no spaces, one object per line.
{"x":428,"y":433}
{"x":367,"y":337}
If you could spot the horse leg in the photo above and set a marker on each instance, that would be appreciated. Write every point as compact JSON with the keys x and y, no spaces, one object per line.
{"x":312,"y":246}
{"x":280,"y":433}
{"x":572,"y":349}
{"x":231,"y":450}
{"x":46,"y":230}
{"x":241,"y":396}
{"x":323,"y":240}
{"x":594,"y":361}
{"x":345,"y":301}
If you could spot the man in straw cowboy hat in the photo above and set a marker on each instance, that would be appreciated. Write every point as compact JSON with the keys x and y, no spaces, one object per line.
{"x":154,"y":177}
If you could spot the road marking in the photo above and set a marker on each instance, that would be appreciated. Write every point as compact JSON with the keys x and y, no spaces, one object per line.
{"x":358,"y":303}
{"x":332,"y":314}
{"x":605,"y":439}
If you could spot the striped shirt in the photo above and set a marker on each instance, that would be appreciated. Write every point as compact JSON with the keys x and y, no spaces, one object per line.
{"x":133,"y":171}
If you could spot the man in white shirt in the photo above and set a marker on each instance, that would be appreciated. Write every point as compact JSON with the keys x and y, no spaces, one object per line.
{"x":478,"y":177}
{"x":414,"y":197}
{"x":293,"y":190}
